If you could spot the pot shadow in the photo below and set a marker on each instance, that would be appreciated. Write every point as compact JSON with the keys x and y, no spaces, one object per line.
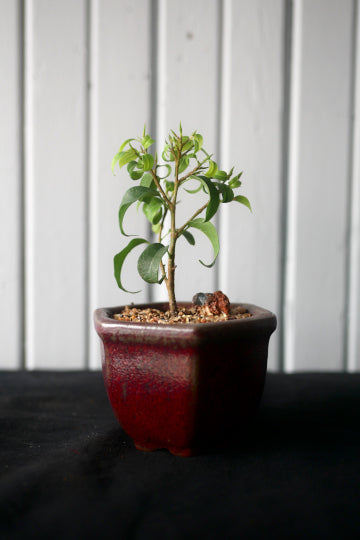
{"x":102,"y":455}
{"x":303,"y":413}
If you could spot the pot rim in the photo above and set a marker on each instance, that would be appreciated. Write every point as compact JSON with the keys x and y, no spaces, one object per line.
{"x":262,"y":319}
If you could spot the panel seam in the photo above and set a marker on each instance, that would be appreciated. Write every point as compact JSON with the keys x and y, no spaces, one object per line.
{"x":287,"y":56}
{"x":351,"y":315}
{"x":21,"y":72}
{"x":289,"y":276}
{"x":87,"y":185}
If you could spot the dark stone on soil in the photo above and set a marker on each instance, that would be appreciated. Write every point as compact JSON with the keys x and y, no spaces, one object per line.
{"x":200,"y":299}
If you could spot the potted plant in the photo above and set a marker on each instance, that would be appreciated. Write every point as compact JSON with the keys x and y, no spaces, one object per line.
{"x":180,"y":375}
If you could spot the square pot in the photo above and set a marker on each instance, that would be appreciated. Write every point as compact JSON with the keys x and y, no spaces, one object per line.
{"x":184,"y":387}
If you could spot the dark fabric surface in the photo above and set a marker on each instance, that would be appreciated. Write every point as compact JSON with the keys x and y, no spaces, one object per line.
{"x":69,"y":471}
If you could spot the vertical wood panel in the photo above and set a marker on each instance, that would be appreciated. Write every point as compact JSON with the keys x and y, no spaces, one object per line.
{"x":320,"y":221}
{"x":353,"y":360}
{"x":95,"y":72}
{"x":55,"y":183}
{"x":189,"y":58}
{"x":251,"y":257}
{"x":121,"y":73}
{"x":10,"y":182}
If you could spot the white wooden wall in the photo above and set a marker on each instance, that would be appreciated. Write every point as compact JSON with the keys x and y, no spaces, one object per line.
{"x":274,"y":86}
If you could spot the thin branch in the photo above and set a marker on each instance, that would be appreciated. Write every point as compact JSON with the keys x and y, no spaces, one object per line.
{"x":162,"y":224}
{"x":179,"y":231}
{"x":196,"y":169}
{"x":163,"y":273}
{"x":157,"y":183}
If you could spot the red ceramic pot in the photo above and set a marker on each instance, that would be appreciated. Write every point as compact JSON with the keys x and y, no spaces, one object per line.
{"x":186,"y":387}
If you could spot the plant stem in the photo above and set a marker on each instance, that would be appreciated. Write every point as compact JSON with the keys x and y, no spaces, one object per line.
{"x":162,"y":267}
{"x":170,"y":279}
{"x":170,"y":282}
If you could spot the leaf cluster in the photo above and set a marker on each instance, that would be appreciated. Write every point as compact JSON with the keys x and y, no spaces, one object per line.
{"x":156,"y":191}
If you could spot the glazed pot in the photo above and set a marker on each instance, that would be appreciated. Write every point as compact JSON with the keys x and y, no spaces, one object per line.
{"x":188,"y":387}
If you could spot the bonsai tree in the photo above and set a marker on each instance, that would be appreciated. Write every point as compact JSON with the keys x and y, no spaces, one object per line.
{"x":158,"y":184}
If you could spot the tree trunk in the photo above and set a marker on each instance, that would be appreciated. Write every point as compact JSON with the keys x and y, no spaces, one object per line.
{"x":170,"y":285}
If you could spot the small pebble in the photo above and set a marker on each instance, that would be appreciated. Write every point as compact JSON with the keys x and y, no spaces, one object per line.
{"x":200,"y":299}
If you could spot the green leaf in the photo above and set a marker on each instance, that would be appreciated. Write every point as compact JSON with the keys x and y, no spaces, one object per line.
{"x":126,"y":157}
{"x":149,"y":262}
{"x":131,"y":165}
{"x":148,"y":162}
{"x":214,"y":200}
{"x":120,"y":258}
{"x":211,"y":190}
{"x":157,"y":217}
{"x":165,"y":154}
{"x":226,"y":192}
{"x":156,"y":228}
{"x":198,"y":141}
{"x":183,"y":164}
{"x":221,"y":175}
{"x":124,"y":144}
{"x":238,"y":176}
{"x":169,"y":185}
{"x":137,"y":193}
{"x":189,"y":237}
{"x":147,"y":141}
{"x":212,"y":169}
{"x":153,"y":210}
{"x":209,"y":156}
{"x":115,"y":159}
{"x":209,"y":230}
{"x":234,"y":183}
{"x":194,"y":190}
{"x":188,"y":144}
{"x":134,"y":175}
{"x":243,"y":200}
{"x":148,"y":181}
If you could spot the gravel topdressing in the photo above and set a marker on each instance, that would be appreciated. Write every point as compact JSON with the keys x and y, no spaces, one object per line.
{"x":194,"y":314}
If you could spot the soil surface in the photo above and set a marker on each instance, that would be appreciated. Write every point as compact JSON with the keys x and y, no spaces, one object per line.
{"x":208,"y":307}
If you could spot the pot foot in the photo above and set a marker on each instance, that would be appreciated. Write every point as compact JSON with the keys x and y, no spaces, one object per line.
{"x":183,"y":452}
{"x":146,"y":447}
{"x":180,"y":452}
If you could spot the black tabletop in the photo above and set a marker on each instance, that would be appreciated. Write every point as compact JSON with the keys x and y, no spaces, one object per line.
{"x":69,"y":471}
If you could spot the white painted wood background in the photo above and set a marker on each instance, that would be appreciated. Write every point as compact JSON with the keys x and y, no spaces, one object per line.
{"x":273,"y":85}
